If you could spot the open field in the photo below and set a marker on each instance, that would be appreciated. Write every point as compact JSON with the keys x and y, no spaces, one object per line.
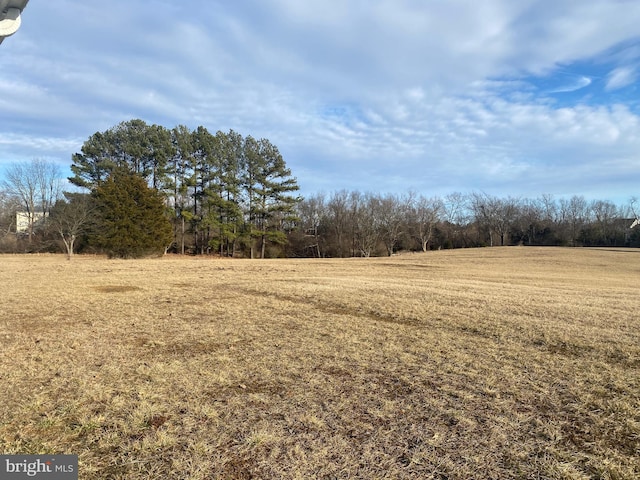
{"x":489,"y":363}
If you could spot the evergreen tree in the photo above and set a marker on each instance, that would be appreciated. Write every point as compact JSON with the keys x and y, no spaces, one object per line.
{"x":134,"y":145}
{"x":269,"y":184}
{"x":131,"y":217}
{"x":97,"y":160}
{"x":229,"y":211}
{"x":206,"y":191}
{"x":181,"y":163}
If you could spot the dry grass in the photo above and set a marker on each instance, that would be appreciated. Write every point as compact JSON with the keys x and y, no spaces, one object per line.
{"x":494,"y":363}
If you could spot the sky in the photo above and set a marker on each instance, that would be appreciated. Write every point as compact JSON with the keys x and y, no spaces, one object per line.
{"x":509,"y":98}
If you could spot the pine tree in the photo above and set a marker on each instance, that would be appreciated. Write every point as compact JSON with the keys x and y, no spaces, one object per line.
{"x":269,"y":186}
{"x":230,"y":212}
{"x":141,"y":148}
{"x":131,"y":217}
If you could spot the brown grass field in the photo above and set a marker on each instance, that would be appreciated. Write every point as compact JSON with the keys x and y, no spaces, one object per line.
{"x":495,"y":363}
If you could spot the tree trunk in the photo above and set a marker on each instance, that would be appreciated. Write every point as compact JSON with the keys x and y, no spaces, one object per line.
{"x":69,"y":244}
{"x":182,"y":241}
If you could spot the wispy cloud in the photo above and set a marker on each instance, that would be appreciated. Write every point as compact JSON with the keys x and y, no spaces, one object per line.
{"x":621,"y":77}
{"x":578,"y":84}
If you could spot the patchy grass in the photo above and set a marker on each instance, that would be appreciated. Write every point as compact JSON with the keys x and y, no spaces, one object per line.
{"x":493,"y":363}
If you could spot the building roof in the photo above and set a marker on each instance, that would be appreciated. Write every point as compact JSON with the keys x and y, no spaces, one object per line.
{"x":10,"y":16}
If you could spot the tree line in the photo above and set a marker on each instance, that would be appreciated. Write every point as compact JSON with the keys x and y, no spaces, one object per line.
{"x":147,"y":189}
{"x":351,"y":223}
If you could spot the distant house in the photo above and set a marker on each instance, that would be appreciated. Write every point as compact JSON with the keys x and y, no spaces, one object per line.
{"x":22,"y":220}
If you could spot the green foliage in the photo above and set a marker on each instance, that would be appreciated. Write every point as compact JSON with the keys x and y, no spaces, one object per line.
{"x":140,"y":148}
{"x":269,"y":186}
{"x":131,"y":217}
{"x":224,"y":192}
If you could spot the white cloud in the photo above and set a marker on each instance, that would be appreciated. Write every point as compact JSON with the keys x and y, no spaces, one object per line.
{"x":437,"y":89}
{"x":621,"y":77}
{"x":578,"y":84}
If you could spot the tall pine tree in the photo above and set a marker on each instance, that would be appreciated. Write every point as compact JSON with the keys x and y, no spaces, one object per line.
{"x":269,"y":186}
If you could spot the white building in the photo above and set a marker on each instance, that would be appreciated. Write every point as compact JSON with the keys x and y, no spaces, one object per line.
{"x":10,"y":11}
{"x":22,"y":220}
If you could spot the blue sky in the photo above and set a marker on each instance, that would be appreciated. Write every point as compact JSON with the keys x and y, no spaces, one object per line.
{"x":511,"y":98}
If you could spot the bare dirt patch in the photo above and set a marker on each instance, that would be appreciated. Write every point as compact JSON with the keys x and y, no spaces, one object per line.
{"x":115,"y":288}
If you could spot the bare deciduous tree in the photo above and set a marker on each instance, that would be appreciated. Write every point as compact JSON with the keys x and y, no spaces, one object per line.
{"x":8,"y":206}
{"x":604,"y":213}
{"x":364,"y":214}
{"x":573,"y":214}
{"x":338,"y":217}
{"x":424,"y":214}
{"x":37,"y":184}
{"x":392,"y":212}
{"x":495,"y":214}
{"x":311,"y":213}
{"x":71,"y":218}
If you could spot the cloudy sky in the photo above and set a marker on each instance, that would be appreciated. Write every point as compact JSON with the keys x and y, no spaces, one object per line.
{"x":511,"y":98}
